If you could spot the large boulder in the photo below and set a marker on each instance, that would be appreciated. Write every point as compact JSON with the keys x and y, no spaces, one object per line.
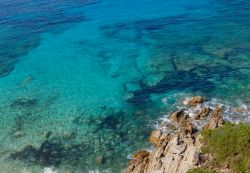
{"x":179,"y":117}
{"x":183,"y":121}
{"x":155,"y":137}
{"x":194,"y":101}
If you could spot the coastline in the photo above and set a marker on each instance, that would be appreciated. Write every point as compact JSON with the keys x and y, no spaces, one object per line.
{"x":180,"y":149}
{"x":83,"y":84}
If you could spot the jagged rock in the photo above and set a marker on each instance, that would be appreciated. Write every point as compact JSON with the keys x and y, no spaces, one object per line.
{"x":140,"y":155}
{"x":177,"y":152}
{"x":138,"y":162}
{"x":187,"y":127}
{"x":202,"y":114}
{"x":155,"y":136}
{"x":194,"y":101}
{"x":183,"y":120}
{"x":139,"y":113}
{"x":216,"y":119}
{"x":176,"y":146}
{"x":179,"y":117}
{"x":177,"y":156}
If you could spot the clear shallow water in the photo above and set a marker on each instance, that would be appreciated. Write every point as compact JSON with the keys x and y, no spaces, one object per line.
{"x":84,"y":80}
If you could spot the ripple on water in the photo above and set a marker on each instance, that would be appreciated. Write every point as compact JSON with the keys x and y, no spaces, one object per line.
{"x":85,"y":98}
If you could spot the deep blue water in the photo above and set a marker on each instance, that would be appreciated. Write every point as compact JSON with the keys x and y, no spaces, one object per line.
{"x":86,"y":80}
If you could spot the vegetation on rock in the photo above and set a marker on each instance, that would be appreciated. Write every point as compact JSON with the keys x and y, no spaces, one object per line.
{"x":230,"y":145}
{"x":200,"y":170}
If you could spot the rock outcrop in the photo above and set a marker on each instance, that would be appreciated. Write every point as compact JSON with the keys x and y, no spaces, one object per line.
{"x":194,"y":101}
{"x":180,"y":151}
{"x":216,"y":119}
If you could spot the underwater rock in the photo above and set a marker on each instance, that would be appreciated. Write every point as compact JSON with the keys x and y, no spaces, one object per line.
{"x":152,"y":80}
{"x":24,"y":102}
{"x":139,"y":113}
{"x":47,"y":134}
{"x":6,"y":68}
{"x":26,"y":81}
{"x":50,"y":153}
{"x":19,"y":134}
{"x":100,"y":160}
{"x":67,"y":135}
{"x":194,"y":101}
{"x":80,"y":120}
{"x":128,"y":97}
{"x":216,"y":50}
{"x":132,"y":86}
{"x":138,"y":97}
{"x":28,"y":151}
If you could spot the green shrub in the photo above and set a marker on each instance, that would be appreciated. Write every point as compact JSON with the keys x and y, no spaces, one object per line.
{"x":230,"y":144}
{"x":200,"y":170}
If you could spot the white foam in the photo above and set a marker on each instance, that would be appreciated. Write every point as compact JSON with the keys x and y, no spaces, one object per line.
{"x":49,"y":170}
{"x":229,"y":113}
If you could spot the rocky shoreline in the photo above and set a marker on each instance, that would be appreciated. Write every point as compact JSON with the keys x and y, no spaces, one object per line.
{"x":179,"y":150}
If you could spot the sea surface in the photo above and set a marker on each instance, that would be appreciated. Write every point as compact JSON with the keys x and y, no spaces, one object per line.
{"x":83,"y":82}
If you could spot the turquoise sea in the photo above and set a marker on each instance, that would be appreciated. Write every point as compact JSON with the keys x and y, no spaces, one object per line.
{"x":83,"y":82}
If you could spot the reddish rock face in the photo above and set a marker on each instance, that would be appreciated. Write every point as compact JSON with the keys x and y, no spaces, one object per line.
{"x":194,"y":101}
{"x":140,"y":155}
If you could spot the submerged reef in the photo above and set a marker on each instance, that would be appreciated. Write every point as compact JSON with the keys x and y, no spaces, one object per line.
{"x":86,"y":98}
{"x":187,"y":52}
{"x":22,"y":34}
{"x":89,"y":142}
{"x":210,"y":147}
{"x":52,"y":152}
